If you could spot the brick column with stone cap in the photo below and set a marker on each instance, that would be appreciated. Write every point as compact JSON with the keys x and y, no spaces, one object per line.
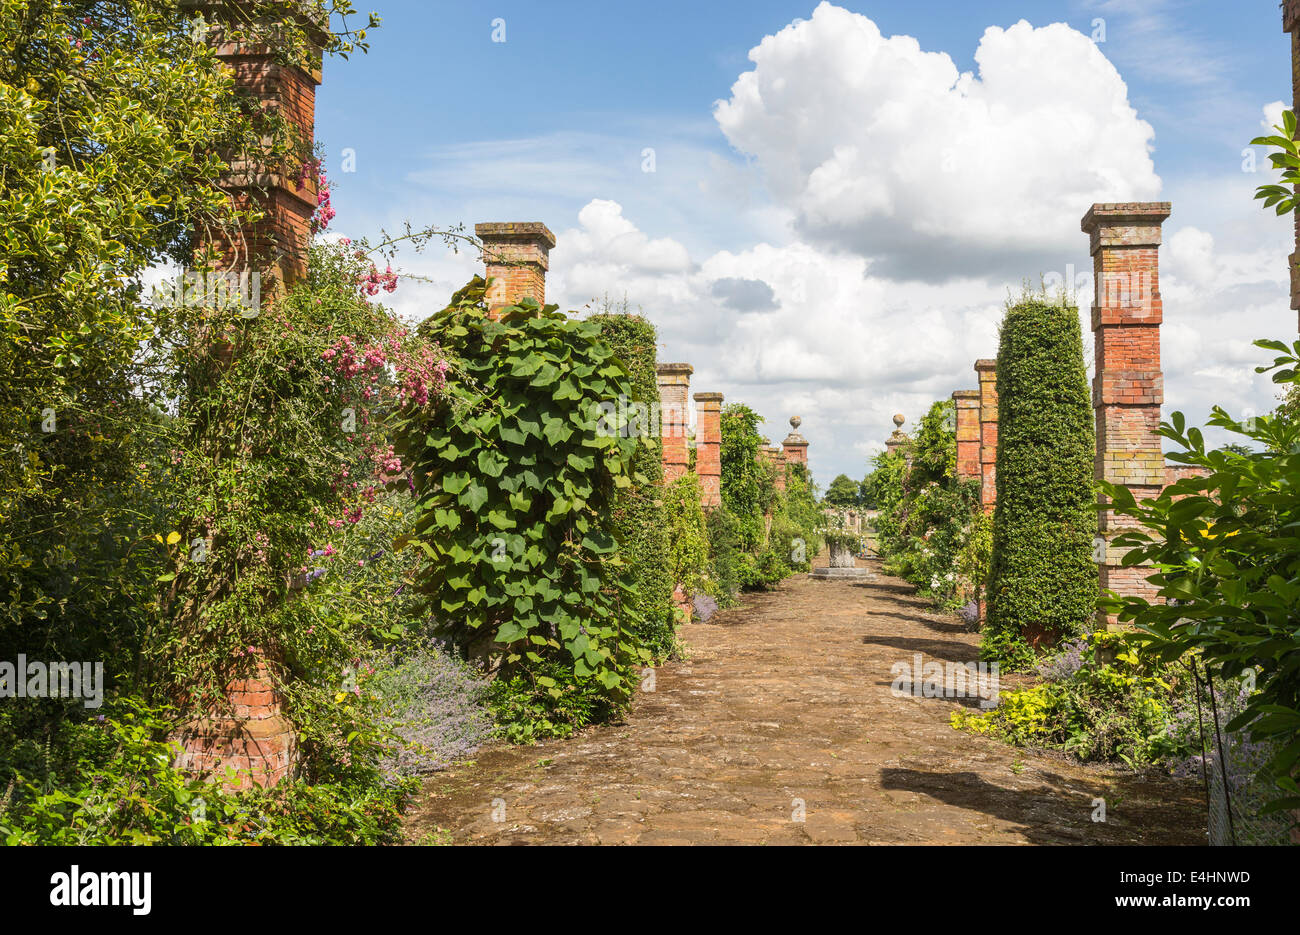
{"x":275,"y":247}
{"x":249,"y":732}
{"x":775,"y":456}
{"x":674,"y":388}
{"x":967,"y":406}
{"x":517,"y":255}
{"x":1127,"y":386}
{"x":708,"y":447}
{"x":987,"y":371}
{"x":898,"y":437}
{"x":795,"y":446}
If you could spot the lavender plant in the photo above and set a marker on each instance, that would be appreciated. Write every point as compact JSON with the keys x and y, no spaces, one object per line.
{"x":434,"y":705}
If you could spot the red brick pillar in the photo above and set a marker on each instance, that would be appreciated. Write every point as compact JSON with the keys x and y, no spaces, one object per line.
{"x":674,"y":387}
{"x":795,"y":446}
{"x":249,"y":732}
{"x":987,"y":370}
{"x":517,"y":256}
{"x":708,"y":447}
{"x":775,"y":456}
{"x":276,"y":246}
{"x":1291,"y":24}
{"x":1127,"y":386}
{"x":967,"y":404}
{"x":253,"y":737}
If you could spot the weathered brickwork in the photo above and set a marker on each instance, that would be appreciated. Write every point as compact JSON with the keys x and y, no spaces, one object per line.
{"x":708,"y":447}
{"x":249,"y":733}
{"x":1128,"y":387}
{"x":517,"y":256}
{"x":986,"y":370}
{"x":277,"y":245}
{"x":253,"y":736}
{"x":967,"y":405}
{"x":674,"y":389}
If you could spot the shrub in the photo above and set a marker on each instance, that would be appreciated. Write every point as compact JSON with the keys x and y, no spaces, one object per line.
{"x":1100,"y":700}
{"x":687,"y":534}
{"x":725,"y":556}
{"x":927,"y":514}
{"x":434,"y":705}
{"x":748,"y":489}
{"x":639,"y":520}
{"x":515,"y":479}
{"x":1226,"y":562}
{"x":1042,"y":579}
{"x":109,"y":780}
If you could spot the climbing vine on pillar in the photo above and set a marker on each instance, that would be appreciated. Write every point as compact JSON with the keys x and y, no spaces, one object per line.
{"x":516,"y":477}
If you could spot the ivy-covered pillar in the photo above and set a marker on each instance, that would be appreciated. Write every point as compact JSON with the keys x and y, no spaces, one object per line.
{"x":286,"y":191}
{"x":1127,"y":385}
{"x":250,"y":732}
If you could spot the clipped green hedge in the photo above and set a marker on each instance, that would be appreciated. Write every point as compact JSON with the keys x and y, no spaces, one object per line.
{"x":639,"y":520}
{"x":1042,"y":580}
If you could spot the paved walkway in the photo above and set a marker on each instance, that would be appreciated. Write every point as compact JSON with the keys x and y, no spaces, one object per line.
{"x":784,"y":711}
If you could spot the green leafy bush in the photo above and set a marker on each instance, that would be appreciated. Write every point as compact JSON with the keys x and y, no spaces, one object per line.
{"x":109,"y":781}
{"x":516,"y":478}
{"x":1226,"y":563}
{"x":927,"y":514}
{"x":688,"y":536}
{"x":725,"y":556}
{"x":1042,"y":580}
{"x":748,"y":488}
{"x":639,"y":520}
{"x":1100,"y":700}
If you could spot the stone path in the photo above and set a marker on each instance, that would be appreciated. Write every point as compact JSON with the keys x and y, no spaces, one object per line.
{"x":785,"y":702}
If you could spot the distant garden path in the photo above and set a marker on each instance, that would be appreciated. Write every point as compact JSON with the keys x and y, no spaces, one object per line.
{"x":788,"y":697}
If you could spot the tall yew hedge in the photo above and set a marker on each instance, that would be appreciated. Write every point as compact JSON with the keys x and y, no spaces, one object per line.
{"x":640,"y":524}
{"x":1042,"y":583}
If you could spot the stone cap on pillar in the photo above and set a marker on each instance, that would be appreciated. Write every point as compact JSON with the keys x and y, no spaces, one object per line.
{"x":794,"y":438}
{"x":965,"y":394}
{"x":708,"y":397}
{"x":516,"y":242}
{"x":673,"y":373}
{"x":986,"y":363}
{"x":1125,"y":224}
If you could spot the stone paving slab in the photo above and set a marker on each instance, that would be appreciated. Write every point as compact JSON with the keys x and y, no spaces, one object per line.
{"x":781,"y":728}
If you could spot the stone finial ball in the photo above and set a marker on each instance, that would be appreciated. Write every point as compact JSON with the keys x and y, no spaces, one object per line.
{"x":795,"y":422}
{"x":898,"y":419}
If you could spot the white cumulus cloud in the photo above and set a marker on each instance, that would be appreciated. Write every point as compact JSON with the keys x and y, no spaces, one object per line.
{"x":882,"y":148}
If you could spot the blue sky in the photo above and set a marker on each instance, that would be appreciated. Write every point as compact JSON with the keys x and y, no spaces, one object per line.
{"x":820,"y":186}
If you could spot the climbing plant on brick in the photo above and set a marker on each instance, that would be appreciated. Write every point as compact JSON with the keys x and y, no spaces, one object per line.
{"x":516,"y":477}
{"x":639,"y":521}
{"x":1042,"y":582}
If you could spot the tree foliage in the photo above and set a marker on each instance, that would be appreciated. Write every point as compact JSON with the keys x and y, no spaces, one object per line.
{"x":1227,"y":562}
